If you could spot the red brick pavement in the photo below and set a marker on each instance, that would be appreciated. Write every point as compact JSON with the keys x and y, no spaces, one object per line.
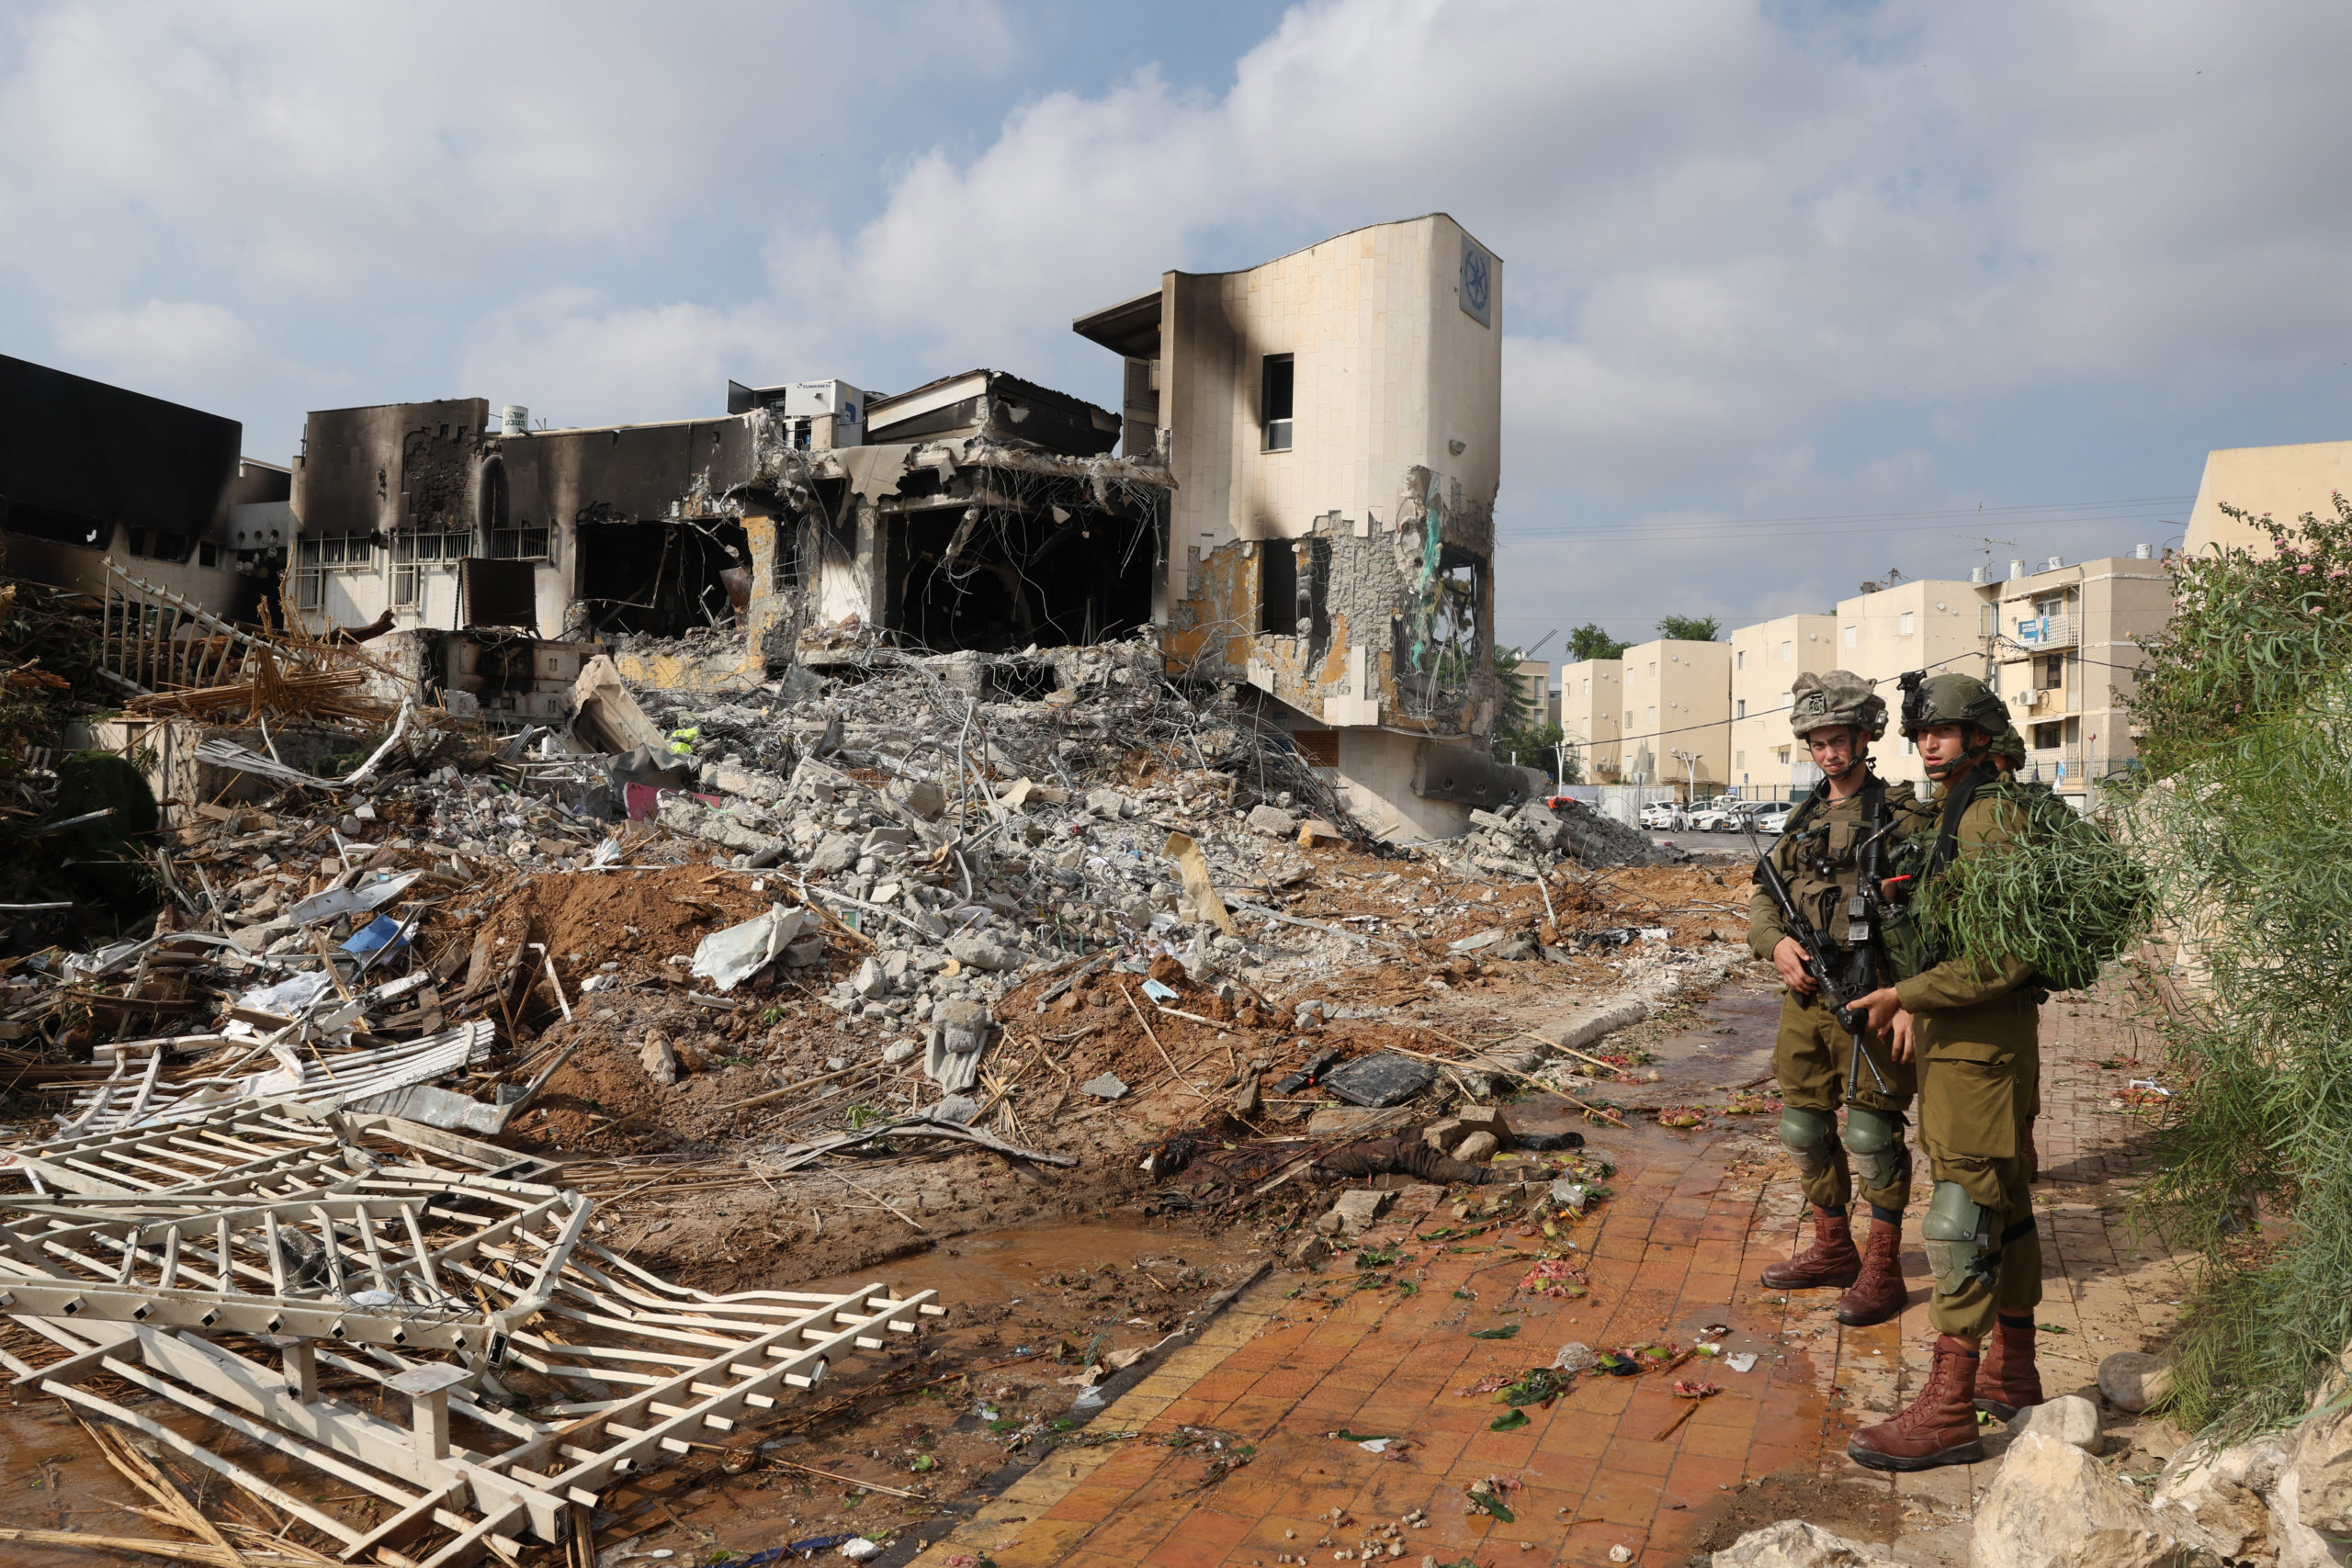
{"x":1693,"y":1216}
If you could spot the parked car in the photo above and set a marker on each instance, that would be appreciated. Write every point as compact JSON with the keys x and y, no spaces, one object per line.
{"x":1662,"y":816}
{"x":1722,"y":817}
{"x":1769,"y":816}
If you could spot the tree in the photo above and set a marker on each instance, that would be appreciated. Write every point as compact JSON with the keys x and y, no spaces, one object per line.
{"x":1523,"y":729}
{"x":1689,"y":628}
{"x":1589,"y":641}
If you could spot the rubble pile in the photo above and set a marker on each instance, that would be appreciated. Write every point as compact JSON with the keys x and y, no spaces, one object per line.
{"x":942,"y":915}
{"x":1528,"y":840}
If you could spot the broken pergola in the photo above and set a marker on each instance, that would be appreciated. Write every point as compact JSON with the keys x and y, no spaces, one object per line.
{"x":284,"y":1271}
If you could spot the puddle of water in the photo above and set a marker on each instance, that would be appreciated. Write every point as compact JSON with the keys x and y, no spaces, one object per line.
{"x":995,"y":1266}
{"x":51,"y":1478}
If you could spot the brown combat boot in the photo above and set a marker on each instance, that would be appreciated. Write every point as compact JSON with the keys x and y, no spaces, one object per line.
{"x":1938,"y":1427}
{"x":2007,"y":1380}
{"x":1830,"y":1260}
{"x":1879,"y":1293}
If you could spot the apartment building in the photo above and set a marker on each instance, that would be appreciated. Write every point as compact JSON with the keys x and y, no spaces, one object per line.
{"x":2283,"y":482}
{"x":1766,"y":658}
{"x":1592,"y":702}
{"x":1677,"y":713}
{"x":1534,"y":676}
{"x":1933,"y":624}
{"x":2068,"y":641}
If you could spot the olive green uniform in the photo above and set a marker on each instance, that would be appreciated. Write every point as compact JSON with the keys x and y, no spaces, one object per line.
{"x":1813,"y":1054}
{"x":1975,"y":1031}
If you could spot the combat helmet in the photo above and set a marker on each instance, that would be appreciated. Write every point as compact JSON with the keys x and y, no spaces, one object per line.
{"x":1840,"y":697}
{"x":2008,"y":747}
{"x":1951,"y":699}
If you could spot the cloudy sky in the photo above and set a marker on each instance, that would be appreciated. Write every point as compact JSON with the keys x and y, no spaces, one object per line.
{"x":1793,"y":289}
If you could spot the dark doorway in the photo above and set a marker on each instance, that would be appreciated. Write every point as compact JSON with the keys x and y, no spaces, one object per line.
{"x":661,"y":580}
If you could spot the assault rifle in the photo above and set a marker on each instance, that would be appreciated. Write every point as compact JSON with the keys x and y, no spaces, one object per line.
{"x":1861,"y":937}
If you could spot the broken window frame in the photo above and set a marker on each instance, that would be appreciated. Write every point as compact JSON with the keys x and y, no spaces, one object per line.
{"x":1278,"y":401}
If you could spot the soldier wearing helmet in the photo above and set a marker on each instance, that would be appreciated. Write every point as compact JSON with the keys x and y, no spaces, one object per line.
{"x":1836,"y":716}
{"x":1972,"y":1022}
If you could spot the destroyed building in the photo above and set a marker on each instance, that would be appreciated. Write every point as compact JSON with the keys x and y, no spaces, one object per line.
{"x":1297,"y":492}
{"x":1331,"y":423}
{"x":977,"y":511}
{"x":95,"y":477}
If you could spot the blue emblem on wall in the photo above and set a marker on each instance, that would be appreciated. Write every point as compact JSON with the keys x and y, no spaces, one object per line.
{"x":1478,"y":282}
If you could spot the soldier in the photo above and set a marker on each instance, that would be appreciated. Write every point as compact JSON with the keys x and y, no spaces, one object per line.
{"x":1836,"y":717}
{"x":1972,"y":1019}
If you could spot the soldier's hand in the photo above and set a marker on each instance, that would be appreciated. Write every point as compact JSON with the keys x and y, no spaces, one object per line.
{"x":1901,"y":1039}
{"x":1882,"y":1006}
{"x":1787,"y":957}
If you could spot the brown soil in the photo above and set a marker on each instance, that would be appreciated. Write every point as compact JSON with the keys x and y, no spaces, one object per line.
{"x":1856,"y":1510}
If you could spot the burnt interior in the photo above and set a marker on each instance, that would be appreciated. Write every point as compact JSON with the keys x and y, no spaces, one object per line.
{"x":999,"y":561}
{"x":663,"y":580}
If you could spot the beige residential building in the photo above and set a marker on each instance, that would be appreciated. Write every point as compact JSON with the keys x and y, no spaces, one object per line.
{"x":2284,"y":481}
{"x":1932,"y":623}
{"x":1592,"y":702}
{"x":1765,"y":659}
{"x":1535,"y":685}
{"x":2069,"y":639}
{"x":1677,"y":713}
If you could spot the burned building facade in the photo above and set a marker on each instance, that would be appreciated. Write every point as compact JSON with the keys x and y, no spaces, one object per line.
{"x":1331,"y":423}
{"x":977,"y":511}
{"x":93,"y":474}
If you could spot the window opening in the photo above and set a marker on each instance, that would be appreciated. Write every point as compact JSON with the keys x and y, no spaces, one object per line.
{"x":1279,"y":378}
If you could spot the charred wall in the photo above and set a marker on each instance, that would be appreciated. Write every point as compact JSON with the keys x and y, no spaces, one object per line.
{"x":79,"y":456}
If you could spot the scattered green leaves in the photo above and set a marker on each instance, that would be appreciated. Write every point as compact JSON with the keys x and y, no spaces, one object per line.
{"x":1509,"y":1421}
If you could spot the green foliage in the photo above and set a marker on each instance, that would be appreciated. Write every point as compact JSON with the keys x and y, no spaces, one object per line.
{"x":2062,"y":894}
{"x":2251,"y":848}
{"x":1521,"y":725}
{"x":1689,"y":628}
{"x":2249,"y":635}
{"x":1589,"y":641}
{"x":1516,"y":710}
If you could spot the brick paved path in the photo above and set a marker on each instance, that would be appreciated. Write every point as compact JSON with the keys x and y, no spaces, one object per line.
{"x":1618,"y":1460}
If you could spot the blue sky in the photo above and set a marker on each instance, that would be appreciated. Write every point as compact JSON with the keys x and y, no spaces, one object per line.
{"x":1766,"y":265}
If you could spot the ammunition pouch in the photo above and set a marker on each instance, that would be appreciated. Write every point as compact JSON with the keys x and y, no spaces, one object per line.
{"x":1806,"y":1135}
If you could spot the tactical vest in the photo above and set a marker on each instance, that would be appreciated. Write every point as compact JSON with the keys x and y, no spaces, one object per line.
{"x":1820,"y":849}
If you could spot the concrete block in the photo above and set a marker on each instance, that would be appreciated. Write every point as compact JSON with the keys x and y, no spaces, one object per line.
{"x":1476,"y":1147}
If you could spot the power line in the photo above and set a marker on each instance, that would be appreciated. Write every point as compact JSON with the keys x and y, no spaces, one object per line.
{"x":2057,"y":512}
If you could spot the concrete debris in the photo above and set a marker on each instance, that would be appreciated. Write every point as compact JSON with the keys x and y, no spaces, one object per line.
{"x":2134,"y":1381}
{"x":1793,"y":1543}
{"x":2053,"y":1506}
{"x":874,"y":909}
{"x":1525,"y":840}
{"x":2066,"y":1418}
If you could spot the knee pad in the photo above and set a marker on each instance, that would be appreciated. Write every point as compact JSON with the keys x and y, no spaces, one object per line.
{"x":1875,"y":1139}
{"x":1958,"y":1234}
{"x":1807,"y":1134}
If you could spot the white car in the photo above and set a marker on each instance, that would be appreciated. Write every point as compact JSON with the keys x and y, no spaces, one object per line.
{"x":1770,"y":816}
{"x":1664,"y":816}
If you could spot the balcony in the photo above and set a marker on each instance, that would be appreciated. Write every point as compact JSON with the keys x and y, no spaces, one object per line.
{"x":2046,"y":631}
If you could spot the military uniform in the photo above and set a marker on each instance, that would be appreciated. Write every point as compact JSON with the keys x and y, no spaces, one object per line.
{"x":1819,"y":855}
{"x":1976,"y":1020}
{"x":1813,"y":1057}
